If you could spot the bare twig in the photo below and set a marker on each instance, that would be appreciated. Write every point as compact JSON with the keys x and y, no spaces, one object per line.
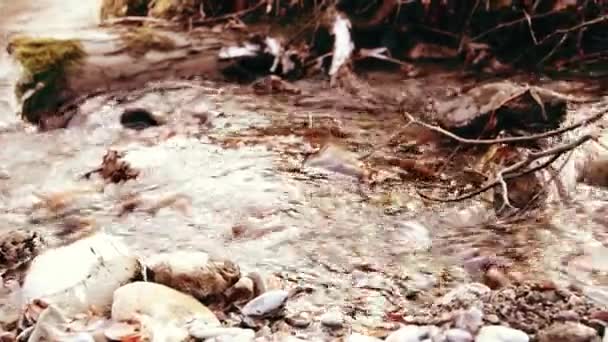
{"x":511,"y":23}
{"x":515,"y":170}
{"x":230,"y":15}
{"x":573,"y":28}
{"x":506,"y":140}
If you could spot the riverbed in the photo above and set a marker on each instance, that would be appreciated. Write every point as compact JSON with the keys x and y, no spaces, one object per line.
{"x":225,"y":176}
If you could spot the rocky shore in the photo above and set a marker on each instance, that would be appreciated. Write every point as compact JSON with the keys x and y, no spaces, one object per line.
{"x":95,"y":289}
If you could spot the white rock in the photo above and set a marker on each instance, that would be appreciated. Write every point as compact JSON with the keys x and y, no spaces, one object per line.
{"x":82,"y":274}
{"x":332,"y":319}
{"x":160,"y":303}
{"x":266,"y":304}
{"x":458,"y":335}
{"x":497,"y":333}
{"x":355,"y":337}
{"x":470,"y":320}
{"x":413,"y":333}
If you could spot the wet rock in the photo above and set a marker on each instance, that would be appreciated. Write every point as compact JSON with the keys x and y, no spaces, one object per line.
{"x":161,"y":303}
{"x":595,"y":172}
{"x":98,"y":265}
{"x":194,"y":273}
{"x":301,"y":320}
{"x":242,"y":291}
{"x":332,"y":319}
{"x":497,"y":333}
{"x":267,"y":304}
{"x":470,"y":320}
{"x":355,"y":337}
{"x":495,"y":278}
{"x":465,"y":295}
{"x":568,"y":332}
{"x":458,"y":335}
{"x":335,"y":159}
{"x":413,"y":333}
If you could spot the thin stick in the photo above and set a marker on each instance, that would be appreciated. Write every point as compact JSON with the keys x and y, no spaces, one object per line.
{"x":513,"y":170}
{"x":532,"y":137}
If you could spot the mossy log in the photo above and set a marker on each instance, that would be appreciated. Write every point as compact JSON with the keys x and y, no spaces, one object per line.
{"x":58,"y":72}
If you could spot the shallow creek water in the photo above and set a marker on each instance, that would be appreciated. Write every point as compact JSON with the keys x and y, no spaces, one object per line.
{"x":238,"y":201}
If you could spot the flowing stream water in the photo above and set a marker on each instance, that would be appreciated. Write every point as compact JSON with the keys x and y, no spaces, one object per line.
{"x":237,"y":202}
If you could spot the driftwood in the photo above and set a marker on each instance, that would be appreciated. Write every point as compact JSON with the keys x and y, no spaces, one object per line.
{"x":57,"y":73}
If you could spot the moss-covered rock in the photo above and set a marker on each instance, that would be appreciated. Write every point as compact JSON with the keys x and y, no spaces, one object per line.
{"x":170,"y":9}
{"x":123,"y":8}
{"x":142,"y":40}
{"x":45,"y":62}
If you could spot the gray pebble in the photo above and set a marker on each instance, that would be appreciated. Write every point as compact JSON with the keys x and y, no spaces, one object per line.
{"x":332,"y":319}
{"x":266,"y":304}
{"x":470,"y":320}
{"x":301,"y":320}
{"x":458,"y":335}
{"x":498,"y":333}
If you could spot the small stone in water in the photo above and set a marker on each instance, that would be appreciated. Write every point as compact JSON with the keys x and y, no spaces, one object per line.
{"x":266,"y":304}
{"x":301,"y":320}
{"x":498,"y":333}
{"x":332,"y":319}
{"x":458,"y":335}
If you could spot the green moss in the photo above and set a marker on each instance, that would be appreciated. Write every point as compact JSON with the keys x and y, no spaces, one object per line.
{"x":170,"y":9}
{"x":123,"y":8}
{"x":45,"y":62}
{"x":141,"y":40}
